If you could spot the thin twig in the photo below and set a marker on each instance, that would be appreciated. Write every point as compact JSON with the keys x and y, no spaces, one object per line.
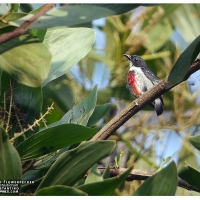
{"x":138,"y":104}
{"x":22,"y":29}
{"x":35,"y":123}
{"x":136,"y":174}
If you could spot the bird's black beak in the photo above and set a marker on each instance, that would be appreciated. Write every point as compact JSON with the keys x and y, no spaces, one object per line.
{"x":127,"y":56}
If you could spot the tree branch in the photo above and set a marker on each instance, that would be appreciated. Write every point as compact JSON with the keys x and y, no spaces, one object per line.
{"x":22,"y":29}
{"x":136,"y":174}
{"x":138,"y":104}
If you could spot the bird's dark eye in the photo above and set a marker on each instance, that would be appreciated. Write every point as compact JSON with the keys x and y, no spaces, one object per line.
{"x":136,"y":59}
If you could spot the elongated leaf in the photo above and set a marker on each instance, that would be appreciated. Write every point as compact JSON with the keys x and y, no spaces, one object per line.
{"x":190,"y":175}
{"x":46,"y":161}
{"x":11,"y":17}
{"x":195,"y":141}
{"x":81,"y":113}
{"x":26,"y":7}
{"x":105,"y":187}
{"x":67,"y":16}
{"x":106,"y":173}
{"x":14,"y":7}
{"x":163,"y":183}
{"x":72,"y":165}
{"x":119,"y":8}
{"x":62,"y":96}
{"x":39,"y":33}
{"x":60,"y":190}
{"x":77,"y":14}
{"x":67,"y":46}
{"x":94,"y":175}
{"x":9,"y":159}
{"x":34,"y":174}
{"x":30,"y":61}
{"x":183,"y":63}
{"x":52,"y":139}
{"x":98,"y":113}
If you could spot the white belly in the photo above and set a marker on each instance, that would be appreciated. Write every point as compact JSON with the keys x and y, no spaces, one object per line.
{"x":143,"y":83}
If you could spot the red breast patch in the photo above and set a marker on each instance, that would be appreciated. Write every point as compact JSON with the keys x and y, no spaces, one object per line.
{"x":132,"y":83}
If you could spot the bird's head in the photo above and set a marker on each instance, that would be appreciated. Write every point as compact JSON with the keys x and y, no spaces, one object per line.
{"x":135,"y":61}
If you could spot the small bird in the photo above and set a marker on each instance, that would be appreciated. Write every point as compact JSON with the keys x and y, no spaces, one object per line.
{"x":140,"y":79}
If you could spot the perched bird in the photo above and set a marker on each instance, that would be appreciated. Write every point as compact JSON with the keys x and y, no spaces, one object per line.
{"x":140,"y":79}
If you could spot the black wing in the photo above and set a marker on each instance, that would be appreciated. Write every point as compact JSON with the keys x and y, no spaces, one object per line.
{"x":151,"y":76}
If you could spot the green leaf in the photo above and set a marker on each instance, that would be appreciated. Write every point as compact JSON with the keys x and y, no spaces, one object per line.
{"x":67,"y":16}
{"x":76,"y":14}
{"x":47,"y":160}
{"x":106,"y":173}
{"x":60,"y":190}
{"x":94,"y":175}
{"x":195,"y":141}
{"x":72,"y":165}
{"x":14,"y":7}
{"x":30,"y":61}
{"x":52,"y":139}
{"x":67,"y":46}
{"x":34,"y":174}
{"x":105,"y":187}
{"x":119,"y":8}
{"x":98,"y":113}
{"x":163,"y":183}
{"x":62,"y":96}
{"x":183,"y":63}
{"x":190,"y":175}
{"x":81,"y":113}
{"x":26,"y":7}
{"x":9,"y":159}
{"x":39,"y":33}
{"x":11,"y":17}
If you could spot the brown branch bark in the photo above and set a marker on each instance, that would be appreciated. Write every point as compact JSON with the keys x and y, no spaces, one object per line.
{"x":22,"y":29}
{"x":138,"y":104}
{"x":136,"y":174}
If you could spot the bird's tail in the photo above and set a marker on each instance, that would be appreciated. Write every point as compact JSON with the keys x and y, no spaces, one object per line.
{"x":158,"y":105}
